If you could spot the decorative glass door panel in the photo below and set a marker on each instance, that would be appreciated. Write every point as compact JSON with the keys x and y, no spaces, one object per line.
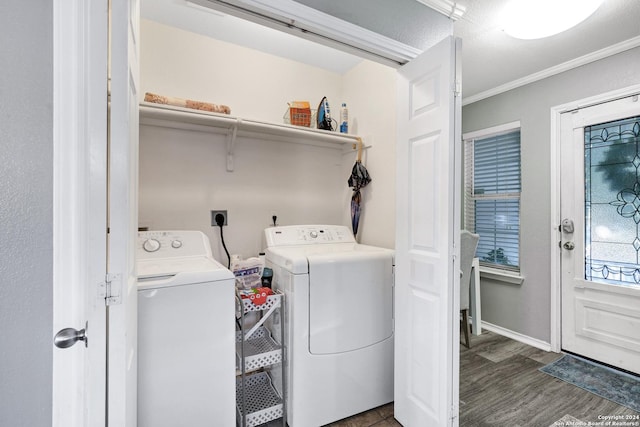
{"x":612,"y":202}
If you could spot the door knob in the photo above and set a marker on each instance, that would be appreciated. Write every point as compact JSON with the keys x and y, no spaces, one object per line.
{"x":569,"y":246}
{"x":67,"y":337}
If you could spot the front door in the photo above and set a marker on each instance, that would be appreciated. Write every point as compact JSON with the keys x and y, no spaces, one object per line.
{"x":427,"y":232}
{"x":600,"y":232}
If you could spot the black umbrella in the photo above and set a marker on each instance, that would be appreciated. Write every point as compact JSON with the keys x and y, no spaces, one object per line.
{"x":359,"y":178}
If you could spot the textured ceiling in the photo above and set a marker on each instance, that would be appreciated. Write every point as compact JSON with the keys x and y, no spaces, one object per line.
{"x":491,"y":58}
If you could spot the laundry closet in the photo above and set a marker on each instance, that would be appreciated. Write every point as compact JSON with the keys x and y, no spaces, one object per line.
{"x":188,"y":170}
{"x":258,"y":170}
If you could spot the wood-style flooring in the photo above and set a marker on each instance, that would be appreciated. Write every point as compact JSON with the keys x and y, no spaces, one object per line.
{"x":500,"y":386}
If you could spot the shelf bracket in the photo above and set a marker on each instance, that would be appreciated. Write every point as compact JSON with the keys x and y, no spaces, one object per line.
{"x":261,"y":321}
{"x":231,"y":144}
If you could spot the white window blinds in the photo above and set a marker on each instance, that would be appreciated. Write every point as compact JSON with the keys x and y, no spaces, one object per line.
{"x":492,"y":197}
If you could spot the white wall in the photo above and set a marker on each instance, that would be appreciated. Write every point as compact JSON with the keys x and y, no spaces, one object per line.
{"x":255,"y":85}
{"x":183,"y":174}
{"x":370,"y":93}
{"x":526,"y":308}
{"x":183,"y":177}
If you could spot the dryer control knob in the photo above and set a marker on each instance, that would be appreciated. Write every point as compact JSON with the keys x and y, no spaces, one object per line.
{"x":313,"y":234}
{"x":151,"y":245}
{"x":176,"y":244}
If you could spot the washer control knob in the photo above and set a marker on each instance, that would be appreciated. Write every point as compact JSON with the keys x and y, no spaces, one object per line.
{"x":313,"y":234}
{"x":151,"y":245}
{"x":176,"y":244}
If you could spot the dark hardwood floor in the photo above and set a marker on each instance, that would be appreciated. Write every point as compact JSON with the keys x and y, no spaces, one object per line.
{"x":500,"y":386}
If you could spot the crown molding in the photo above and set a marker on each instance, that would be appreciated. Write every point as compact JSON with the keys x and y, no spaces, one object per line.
{"x":557,"y":69}
{"x":450,"y":9}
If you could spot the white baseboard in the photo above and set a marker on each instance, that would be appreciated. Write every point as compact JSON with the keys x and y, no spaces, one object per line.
{"x":534,"y":342}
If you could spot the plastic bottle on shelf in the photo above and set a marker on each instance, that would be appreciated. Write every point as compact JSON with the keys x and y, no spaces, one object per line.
{"x":344,"y":118}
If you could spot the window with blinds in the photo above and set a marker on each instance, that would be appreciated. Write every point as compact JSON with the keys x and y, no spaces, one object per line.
{"x":492,"y":196}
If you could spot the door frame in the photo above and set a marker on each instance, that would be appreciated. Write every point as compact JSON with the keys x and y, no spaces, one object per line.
{"x":122,"y":311}
{"x":84,"y":391}
{"x":555,"y":253}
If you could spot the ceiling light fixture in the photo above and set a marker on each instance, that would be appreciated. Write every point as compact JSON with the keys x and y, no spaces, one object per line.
{"x":536,"y":19}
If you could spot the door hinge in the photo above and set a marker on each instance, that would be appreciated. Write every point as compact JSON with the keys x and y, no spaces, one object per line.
{"x":457,"y":89}
{"x":393,"y":298}
{"x":111,"y":289}
{"x":453,"y":414}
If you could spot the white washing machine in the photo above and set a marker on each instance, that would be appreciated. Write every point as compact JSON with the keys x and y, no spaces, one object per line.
{"x":339,"y":321}
{"x":186,"y":332}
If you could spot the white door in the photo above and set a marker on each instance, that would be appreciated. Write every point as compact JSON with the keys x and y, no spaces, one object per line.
{"x":427,"y":236}
{"x":123,"y":213}
{"x":600,"y":209}
{"x":79,"y":210}
{"x":95,"y":212}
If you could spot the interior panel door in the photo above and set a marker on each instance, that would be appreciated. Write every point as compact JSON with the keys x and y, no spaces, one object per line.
{"x":80,"y":210}
{"x":427,"y":232}
{"x":600,"y":231}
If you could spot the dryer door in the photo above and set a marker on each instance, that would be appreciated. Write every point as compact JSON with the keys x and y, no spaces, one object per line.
{"x":350,"y":301}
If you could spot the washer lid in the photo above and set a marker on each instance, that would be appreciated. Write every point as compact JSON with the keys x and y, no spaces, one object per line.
{"x":296,"y":258}
{"x":164,"y":272}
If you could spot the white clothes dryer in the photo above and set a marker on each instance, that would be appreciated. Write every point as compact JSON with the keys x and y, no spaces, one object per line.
{"x":338,"y":321}
{"x":186,"y":332}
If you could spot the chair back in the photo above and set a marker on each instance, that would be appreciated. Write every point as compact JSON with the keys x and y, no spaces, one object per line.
{"x":468,"y":246}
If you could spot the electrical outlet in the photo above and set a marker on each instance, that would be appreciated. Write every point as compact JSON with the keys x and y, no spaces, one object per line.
{"x":214,"y":223}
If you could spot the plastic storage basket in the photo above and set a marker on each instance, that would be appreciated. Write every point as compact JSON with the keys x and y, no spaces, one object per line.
{"x":259,"y":350}
{"x":262,"y":401}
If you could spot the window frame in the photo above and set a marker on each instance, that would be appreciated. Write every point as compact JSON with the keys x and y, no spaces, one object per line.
{"x":469,"y":198}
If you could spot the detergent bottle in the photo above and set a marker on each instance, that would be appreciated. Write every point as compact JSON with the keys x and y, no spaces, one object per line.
{"x":344,"y":118}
